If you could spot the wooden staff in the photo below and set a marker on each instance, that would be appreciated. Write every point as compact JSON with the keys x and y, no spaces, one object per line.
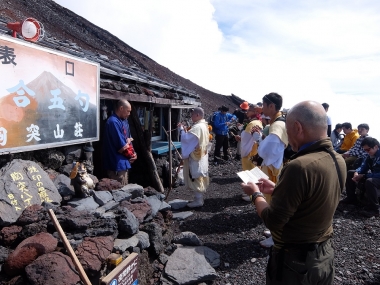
{"x":180,"y":157}
{"x":179,"y":167}
{"x":68,"y":247}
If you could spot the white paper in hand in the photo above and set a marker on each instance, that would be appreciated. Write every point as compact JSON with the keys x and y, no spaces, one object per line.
{"x":252,"y":175}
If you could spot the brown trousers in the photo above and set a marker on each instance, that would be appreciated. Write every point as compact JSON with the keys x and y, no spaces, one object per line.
{"x":300,"y":267}
{"x":121,"y":176}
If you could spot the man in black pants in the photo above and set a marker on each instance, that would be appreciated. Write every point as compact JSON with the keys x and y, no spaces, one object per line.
{"x":221,"y":122}
{"x":367,"y":178}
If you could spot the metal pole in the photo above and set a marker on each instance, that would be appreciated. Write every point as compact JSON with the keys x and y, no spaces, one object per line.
{"x":170,"y":148}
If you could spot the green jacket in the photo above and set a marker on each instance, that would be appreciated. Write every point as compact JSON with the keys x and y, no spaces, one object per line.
{"x":306,"y":196}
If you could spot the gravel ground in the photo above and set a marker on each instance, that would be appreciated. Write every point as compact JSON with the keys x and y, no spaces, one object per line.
{"x":231,"y":226}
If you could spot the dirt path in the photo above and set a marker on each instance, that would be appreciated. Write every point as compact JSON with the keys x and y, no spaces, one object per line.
{"x":230,"y":226}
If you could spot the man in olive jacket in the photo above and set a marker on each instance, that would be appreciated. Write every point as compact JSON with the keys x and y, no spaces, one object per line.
{"x":303,"y":203}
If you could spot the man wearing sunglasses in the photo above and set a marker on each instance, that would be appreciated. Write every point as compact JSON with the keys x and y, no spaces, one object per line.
{"x":367,"y":175}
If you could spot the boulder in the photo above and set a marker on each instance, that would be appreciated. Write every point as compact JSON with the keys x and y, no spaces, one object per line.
{"x":107,"y":184}
{"x":32,"y":214}
{"x":102,"y":197}
{"x":93,"y":252}
{"x":187,"y":266}
{"x":27,"y":251}
{"x":50,"y":158}
{"x":128,"y":222}
{"x":135,"y":189}
{"x":187,"y":238}
{"x":9,"y":234}
{"x":84,"y":204}
{"x":63,"y":184}
{"x":23,"y":183}
{"x":53,"y":268}
{"x":71,"y":219}
{"x":124,"y":244}
{"x":155,"y":237}
{"x":140,"y":209}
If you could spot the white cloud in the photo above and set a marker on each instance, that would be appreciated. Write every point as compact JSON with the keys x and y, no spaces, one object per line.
{"x":320,"y":50}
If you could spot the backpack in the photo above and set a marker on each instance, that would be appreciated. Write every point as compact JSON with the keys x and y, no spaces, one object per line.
{"x":288,"y":152}
{"x":211,"y":119}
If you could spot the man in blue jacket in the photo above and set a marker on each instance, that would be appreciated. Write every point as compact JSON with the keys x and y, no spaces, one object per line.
{"x":369,"y":174}
{"x":220,"y":128}
{"x":117,"y":140}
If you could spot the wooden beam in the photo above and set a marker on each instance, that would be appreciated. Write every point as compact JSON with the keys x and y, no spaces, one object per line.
{"x":145,"y":154}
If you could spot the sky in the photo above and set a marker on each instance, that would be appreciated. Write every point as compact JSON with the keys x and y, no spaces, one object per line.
{"x":327,"y":51}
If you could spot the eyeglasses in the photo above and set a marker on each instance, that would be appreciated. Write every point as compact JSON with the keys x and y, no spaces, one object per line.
{"x":266,"y":97}
{"x":367,"y":149}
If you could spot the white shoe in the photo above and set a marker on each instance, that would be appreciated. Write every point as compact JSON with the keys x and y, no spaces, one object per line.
{"x":267,"y":243}
{"x":198,"y":201}
{"x":246,"y":197}
{"x":267,"y":233}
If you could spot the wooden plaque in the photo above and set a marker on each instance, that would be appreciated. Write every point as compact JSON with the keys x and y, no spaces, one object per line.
{"x":124,"y":274}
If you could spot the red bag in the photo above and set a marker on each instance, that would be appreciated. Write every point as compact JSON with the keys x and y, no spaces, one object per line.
{"x":129,"y":152}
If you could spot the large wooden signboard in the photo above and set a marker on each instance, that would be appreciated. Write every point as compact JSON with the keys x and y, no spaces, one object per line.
{"x":47,"y":98}
{"x":125,"y":273}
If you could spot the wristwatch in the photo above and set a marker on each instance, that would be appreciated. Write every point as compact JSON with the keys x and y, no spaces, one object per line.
{"x":255,"y":195}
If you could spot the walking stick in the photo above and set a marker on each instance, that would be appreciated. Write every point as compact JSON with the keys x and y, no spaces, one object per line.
{"x":179,"y":167}
{"x":68,"y":247}
{"x":180,"y":157}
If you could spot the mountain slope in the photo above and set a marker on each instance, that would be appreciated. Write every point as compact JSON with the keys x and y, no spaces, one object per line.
{"x":63,"y":24}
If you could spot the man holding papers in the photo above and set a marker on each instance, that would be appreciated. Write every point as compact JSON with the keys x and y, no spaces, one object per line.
{"x":303,"y":202}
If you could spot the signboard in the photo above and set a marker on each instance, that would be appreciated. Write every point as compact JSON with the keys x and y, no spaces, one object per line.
{"x":124,"y":274}
{"x":47,"y":98}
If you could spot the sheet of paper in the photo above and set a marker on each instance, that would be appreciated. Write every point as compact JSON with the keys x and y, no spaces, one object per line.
{"x":244,"y":176}
{"x":258,"y":173}
{"x":252,"y":175}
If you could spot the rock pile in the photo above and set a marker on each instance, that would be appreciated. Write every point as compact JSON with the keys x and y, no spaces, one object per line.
{"x":113,"y":219}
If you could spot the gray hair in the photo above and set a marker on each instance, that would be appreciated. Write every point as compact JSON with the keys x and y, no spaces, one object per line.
{"x":311,"y":115}
{"x":198,"y":111}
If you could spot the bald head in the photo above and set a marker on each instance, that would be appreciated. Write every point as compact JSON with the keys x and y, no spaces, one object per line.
{"x":123,"y":109}
{"x":306,"y":122}
{"x":122,"y":103}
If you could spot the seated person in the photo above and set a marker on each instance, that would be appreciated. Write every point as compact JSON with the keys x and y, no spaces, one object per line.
{"x":349,"y":139}
{"x":367,"y":174}
{"x":356,"y":152}
{"x":336,"y":136}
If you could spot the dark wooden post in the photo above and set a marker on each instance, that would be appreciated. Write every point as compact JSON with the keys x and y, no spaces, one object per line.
{"x":170,"y":148}
{"x":145,"y":154}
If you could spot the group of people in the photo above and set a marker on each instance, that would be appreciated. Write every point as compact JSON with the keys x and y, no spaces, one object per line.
{"x":298,"y":201}
{"x":118,"y":152}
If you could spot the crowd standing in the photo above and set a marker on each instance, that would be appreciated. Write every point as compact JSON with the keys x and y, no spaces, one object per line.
{"x":298,"y":200}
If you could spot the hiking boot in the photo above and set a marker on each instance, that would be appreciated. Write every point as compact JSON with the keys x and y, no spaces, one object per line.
{"x":198,"y":201}
{"x":267,"y":243}
{"x":349,"y":201}
{"x":267,"y":233}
